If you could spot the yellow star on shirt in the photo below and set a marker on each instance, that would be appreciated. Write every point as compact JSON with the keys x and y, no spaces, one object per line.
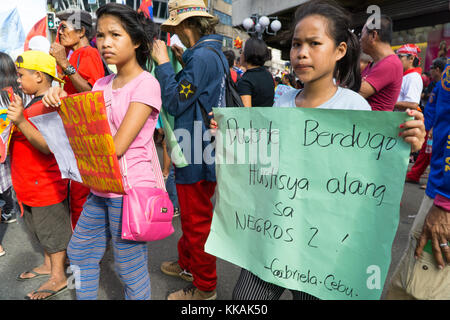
{"x":186,"y":90}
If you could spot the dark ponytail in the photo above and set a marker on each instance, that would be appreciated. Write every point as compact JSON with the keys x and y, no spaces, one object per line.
{"x":347,"y":71}
{"x":141,"y":29}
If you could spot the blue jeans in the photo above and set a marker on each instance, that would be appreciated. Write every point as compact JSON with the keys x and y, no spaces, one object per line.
{"x":171,"y":188}
{"x":100,"y":221}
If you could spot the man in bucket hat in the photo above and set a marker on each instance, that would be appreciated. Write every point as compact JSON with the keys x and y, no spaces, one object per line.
{"x":190,"y":96}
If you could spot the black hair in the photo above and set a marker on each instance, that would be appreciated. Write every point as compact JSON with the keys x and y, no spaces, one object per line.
{"x":347,"y":70}
{"x":440,"y":63}
{"x":290,"y":77}
{"x":386,"y":29}
{"x":416,"y":62}
{"x":8,"y":77}
{"x":88,"y":32}
{"x":277,"y":79}
{"x":229,"y":54}
{"x":141,"y":29}
{"x":256,"y":52}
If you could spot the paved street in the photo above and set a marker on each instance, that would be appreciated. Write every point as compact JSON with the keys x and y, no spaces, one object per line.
{"x":24,"y":254}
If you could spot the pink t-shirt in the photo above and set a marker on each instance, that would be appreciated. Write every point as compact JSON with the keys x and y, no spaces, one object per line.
{"x":386,"y":78}
{"x":144,"y":89}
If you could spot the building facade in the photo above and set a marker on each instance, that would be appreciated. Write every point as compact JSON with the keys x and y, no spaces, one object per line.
{"x":223,"y":9}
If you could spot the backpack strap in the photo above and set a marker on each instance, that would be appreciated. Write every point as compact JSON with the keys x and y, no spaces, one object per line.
{"x":226,"y":70}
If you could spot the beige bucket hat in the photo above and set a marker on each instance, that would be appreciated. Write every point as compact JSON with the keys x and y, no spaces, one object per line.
{"x":180,"y":10}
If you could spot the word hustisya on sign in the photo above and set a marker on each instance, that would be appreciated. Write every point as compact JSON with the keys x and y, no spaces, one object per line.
{"x":85,"y":121}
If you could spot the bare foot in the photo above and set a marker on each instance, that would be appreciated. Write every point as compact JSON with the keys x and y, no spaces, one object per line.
{"x":43,"y":269}
{"x":52,"y":284}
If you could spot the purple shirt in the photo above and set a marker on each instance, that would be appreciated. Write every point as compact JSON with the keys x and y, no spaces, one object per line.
{"x":386,"y":78}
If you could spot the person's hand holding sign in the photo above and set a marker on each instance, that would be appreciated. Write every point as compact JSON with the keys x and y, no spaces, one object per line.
{"x":437,"y":229}
{"x":414,"y":130}
{"x":178,"y":52}
{"x":52,"y":97}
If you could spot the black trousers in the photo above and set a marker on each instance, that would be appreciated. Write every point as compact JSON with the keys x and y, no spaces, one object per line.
{"x":250,"y":287}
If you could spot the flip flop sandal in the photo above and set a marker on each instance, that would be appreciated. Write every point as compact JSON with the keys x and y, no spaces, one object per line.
{"x":52,"y":293}
{"x":36,"y":276}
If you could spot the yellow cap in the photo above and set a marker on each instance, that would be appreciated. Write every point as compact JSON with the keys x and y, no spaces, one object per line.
{"x":38,"y":61}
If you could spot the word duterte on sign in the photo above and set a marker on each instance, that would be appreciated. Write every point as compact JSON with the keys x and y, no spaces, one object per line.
{"x":85,"y":121}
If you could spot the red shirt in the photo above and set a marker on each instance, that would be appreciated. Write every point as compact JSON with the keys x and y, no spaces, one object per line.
{"x":386,"y":77}
{"x":35,"y":176}
{"x":89,"y":65}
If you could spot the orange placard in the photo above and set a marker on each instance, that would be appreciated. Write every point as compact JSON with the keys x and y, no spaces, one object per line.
{"x":85,"y":121}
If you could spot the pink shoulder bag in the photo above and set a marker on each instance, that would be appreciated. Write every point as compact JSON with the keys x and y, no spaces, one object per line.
{"x":146,"y":212}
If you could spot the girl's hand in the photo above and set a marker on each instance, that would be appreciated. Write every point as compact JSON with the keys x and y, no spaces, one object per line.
{"x":52,"y":97}
{"x":414,"y":130}
{"x":159,"y":52}
{"x":213,"y":125}
{"x":15,"y":111}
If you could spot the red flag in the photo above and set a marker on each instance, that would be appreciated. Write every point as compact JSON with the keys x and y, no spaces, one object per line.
{"x":147,"y":8}
{"x":39,"y":29}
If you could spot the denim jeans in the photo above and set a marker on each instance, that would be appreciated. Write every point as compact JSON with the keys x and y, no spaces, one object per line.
{"x":171,"y":188}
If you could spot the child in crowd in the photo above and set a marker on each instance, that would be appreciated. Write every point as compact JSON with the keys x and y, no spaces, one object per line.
{"x":324,"y":53}
{"x":36,"y":178}
{"x":124,"y":38}
{"x":8,"y":78}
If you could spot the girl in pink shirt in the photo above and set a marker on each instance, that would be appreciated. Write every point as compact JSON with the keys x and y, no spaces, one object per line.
{"x":133,"y":100}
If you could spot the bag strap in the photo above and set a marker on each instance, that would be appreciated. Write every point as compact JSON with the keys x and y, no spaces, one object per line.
{"x":154,"y":159}
{"x":205,"y":116}
{"x":227,"y":71}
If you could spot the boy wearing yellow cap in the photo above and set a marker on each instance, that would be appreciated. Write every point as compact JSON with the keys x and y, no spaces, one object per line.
{"x":36,"y":177}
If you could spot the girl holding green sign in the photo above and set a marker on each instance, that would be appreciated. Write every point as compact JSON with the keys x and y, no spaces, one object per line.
{"x":325,"y":57}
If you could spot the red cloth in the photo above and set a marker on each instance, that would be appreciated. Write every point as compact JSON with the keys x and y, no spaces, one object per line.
{"x":36,"y":176}
{"x":89,"y":66}
{"x":418,"y":70}
{"x":39,"y":29}
{"x":409,"y":48}
{"x":196,"y":217}
{"x":147,"y":8}
{"x":234,"y":75}
{"x":386,"y":77}
{"x":421,"y":164}
{"x":442,"y":202}
{"x":77,"y":197}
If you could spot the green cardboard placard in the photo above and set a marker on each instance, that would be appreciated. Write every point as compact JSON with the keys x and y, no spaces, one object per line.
{"x":309,"y":199}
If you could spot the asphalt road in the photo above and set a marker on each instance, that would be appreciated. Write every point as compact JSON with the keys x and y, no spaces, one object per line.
{"x":23,"y":253}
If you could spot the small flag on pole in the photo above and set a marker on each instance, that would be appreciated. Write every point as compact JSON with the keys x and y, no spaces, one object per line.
{"x":147,"y":8}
